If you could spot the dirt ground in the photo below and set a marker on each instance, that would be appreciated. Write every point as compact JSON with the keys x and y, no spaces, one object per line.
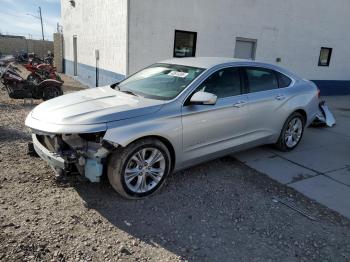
{"x":217,"y":211}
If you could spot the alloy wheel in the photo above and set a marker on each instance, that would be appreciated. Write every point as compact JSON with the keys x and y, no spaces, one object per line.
{"x":144,"y":170}
{"x":293,"y":132}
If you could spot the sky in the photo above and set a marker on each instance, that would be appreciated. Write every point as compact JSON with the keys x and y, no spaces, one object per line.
{"x":14,"y":18}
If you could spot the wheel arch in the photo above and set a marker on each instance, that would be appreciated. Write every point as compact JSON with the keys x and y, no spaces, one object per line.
{"x":302,"y":112}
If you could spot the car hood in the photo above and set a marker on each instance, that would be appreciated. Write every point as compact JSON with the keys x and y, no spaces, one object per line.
{"x":94,"y":106}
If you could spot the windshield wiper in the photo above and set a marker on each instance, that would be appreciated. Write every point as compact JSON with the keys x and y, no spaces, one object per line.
{"x":128,"y":92}
{"x":116,"y":86}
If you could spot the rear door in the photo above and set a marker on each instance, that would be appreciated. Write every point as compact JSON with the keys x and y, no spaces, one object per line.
{"x":266,"y":102}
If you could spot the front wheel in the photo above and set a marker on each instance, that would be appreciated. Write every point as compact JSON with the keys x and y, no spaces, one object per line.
{"x":291,"y":133}
{"x":140,"y":169}
{"x":50,"y":92}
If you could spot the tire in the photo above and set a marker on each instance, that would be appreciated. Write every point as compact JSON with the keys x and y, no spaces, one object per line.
{"x":50,"y":92}
{"x":289,"y":139}
{"x":125,"y":160}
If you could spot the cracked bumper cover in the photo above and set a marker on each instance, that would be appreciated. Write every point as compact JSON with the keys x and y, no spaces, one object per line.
{"x":53,"y":159}
{"x":88,"y":162}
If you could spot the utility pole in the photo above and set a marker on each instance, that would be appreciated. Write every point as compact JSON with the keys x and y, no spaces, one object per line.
{"x":41,"y":20}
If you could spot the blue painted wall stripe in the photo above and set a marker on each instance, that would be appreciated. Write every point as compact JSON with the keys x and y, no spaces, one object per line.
{"x":333,"y":87}
{"x":87,"y":74}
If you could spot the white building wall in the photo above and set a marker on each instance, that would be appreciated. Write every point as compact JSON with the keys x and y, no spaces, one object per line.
{"x":292,"y":30}
{"x":98,"y":25}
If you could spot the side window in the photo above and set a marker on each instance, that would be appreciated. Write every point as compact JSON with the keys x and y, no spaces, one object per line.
{"x":260,"y":79}
{"x":223,"y":83}
{"x":283,"y":80}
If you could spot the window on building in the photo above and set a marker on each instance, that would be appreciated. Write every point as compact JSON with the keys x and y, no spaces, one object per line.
{"x":325,"y":56}
{"x":185,"y":44}
{"x":223,"y":83}
{"x":245,"y":48}
{"x":260,"y":79}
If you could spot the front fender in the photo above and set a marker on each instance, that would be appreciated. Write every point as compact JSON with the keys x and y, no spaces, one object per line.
{"x":126,"y":131}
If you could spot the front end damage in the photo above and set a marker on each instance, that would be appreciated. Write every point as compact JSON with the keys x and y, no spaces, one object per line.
{"x":66,"y":153}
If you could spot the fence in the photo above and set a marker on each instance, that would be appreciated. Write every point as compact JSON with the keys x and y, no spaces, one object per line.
{"x":13,"y":45}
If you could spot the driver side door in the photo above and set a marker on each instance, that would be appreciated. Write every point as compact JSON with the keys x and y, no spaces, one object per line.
{"x":211,"y":130}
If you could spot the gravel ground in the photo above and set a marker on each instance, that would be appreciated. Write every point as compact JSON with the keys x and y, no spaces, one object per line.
{"x":217,"y":211}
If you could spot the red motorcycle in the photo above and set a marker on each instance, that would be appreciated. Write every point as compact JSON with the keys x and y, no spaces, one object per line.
{"x":19,"y":88}
{"x":41,"y":72}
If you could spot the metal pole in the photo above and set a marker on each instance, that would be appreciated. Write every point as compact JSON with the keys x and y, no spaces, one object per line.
{"x":41,"y":19}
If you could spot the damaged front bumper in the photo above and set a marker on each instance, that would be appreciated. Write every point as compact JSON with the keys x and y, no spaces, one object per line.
{"x":53,"y":159}
{"x":74,"y":152}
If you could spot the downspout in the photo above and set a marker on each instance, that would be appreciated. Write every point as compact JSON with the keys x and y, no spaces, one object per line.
{"x":127,"y":35}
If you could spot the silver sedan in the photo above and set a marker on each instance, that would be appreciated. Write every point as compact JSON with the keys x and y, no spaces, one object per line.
{"x":169,"y":116}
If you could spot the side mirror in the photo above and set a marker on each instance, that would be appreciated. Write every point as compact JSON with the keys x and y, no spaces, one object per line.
{"x":203,"y":98}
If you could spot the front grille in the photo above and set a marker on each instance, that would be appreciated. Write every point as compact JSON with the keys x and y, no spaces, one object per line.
{"x":53,"y":143}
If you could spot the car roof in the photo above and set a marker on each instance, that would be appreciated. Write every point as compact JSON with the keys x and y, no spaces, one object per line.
{"x":202,"y":62}
{"x":209,"y":62}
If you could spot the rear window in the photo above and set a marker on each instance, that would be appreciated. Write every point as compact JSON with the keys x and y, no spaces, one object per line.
{"x":283,"y":80}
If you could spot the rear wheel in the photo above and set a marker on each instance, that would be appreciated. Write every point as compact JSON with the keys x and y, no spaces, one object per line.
{"x":51,"y":92}
{"x":291,"y":133}
{"x":140,"y":169}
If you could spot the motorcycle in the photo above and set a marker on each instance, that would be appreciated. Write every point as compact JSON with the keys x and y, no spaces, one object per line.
{"x":49,"y":59}
{"x":21,"y":57}
{"x":41,"y":72}
{"x":19,"y":88}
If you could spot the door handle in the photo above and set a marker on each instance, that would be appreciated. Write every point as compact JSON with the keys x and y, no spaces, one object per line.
{"x":240,"y":104}
{"x":280,"y":97}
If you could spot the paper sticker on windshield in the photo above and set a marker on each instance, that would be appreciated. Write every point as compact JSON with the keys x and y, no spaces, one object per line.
{"x":178,"y":74}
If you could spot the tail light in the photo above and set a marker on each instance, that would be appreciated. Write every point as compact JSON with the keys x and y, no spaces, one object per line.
{"x":318,"y":92}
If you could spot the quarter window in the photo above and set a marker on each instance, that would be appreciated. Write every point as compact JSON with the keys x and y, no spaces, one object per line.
{"x":223,"y":83}
{"x":260,"y":79}
{"x":325,"y":56}
{"x":283,"y":80}
{"x":185,"y":44}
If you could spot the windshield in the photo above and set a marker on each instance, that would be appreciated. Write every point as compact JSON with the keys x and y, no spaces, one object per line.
{"x":160,"y":81}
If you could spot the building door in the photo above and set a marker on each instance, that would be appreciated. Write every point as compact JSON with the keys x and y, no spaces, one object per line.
{"x":245,"y":48}
{"x":75,"y":55}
